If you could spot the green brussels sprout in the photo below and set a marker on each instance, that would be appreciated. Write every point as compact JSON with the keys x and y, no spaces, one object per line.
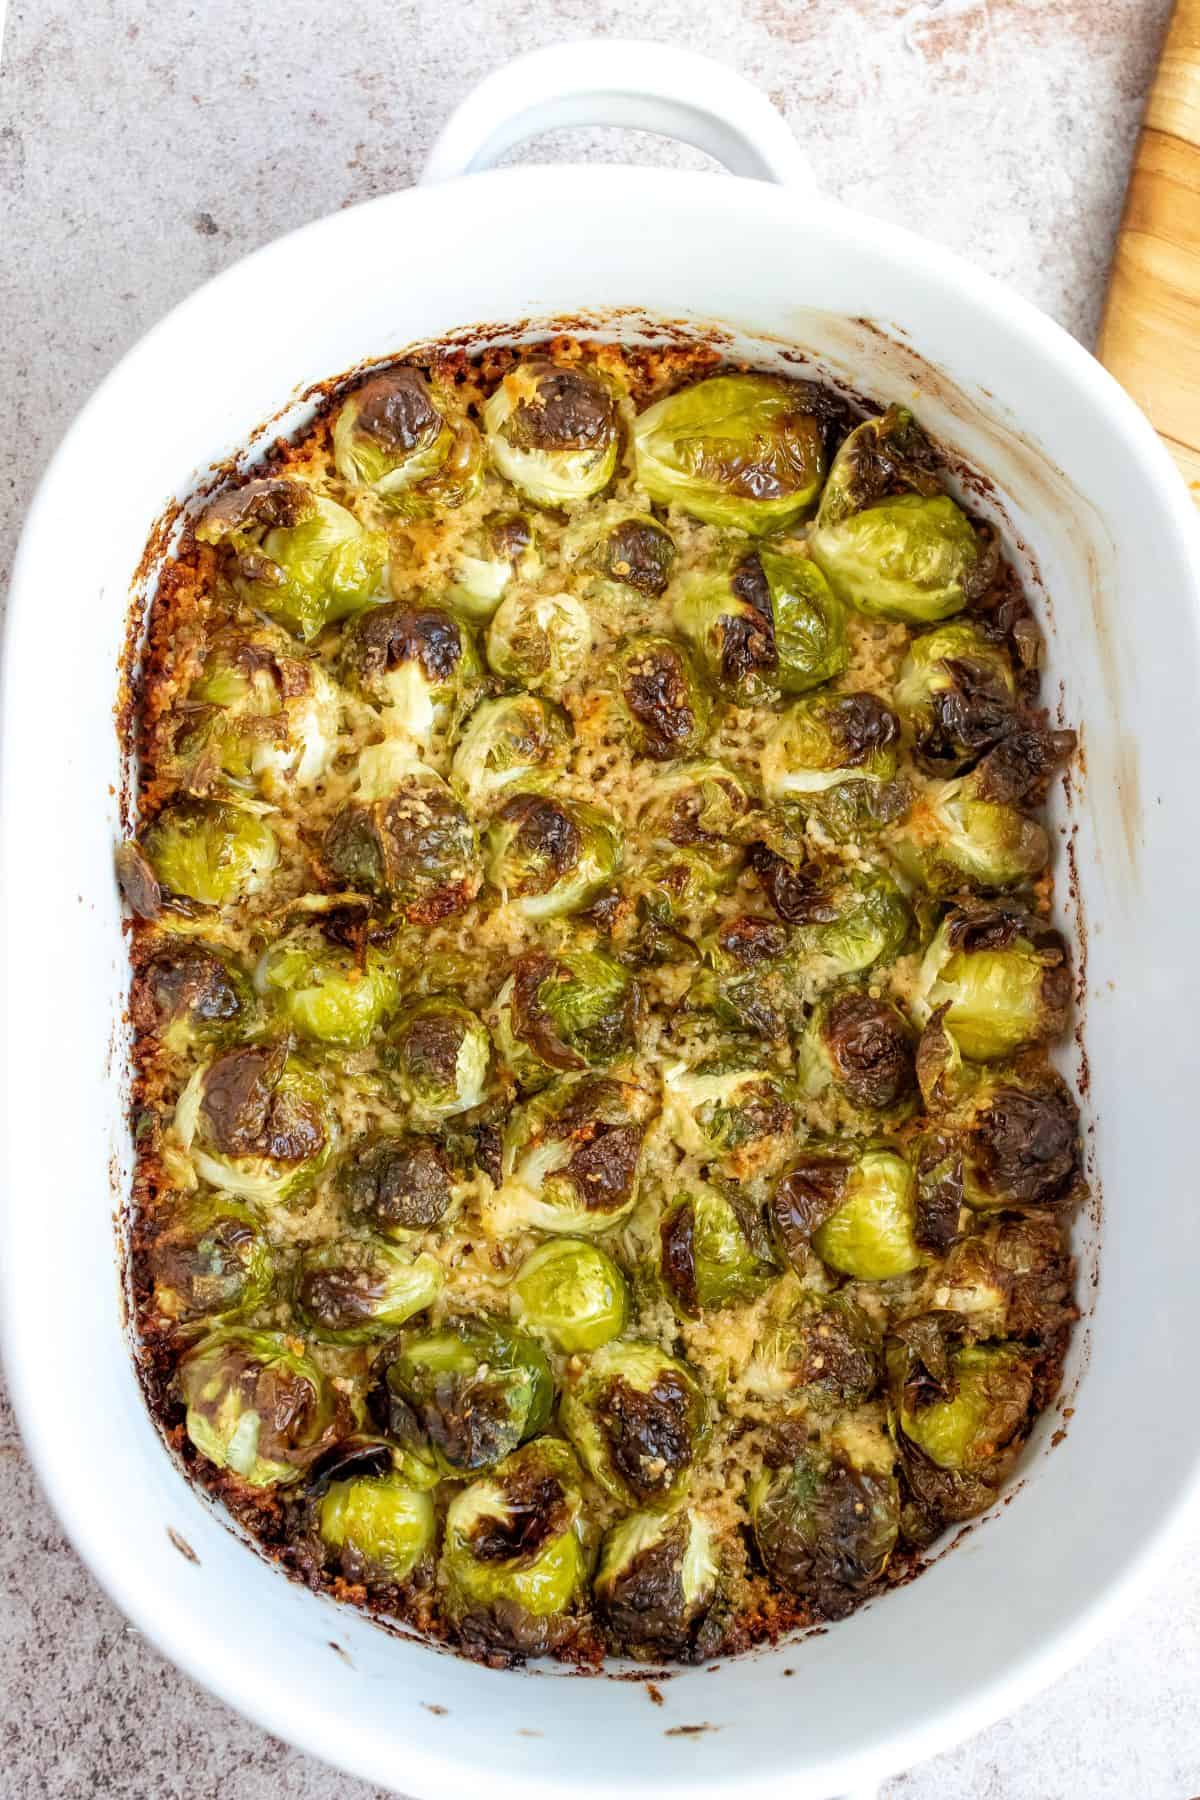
{"x":952,"y":839}
{"x":400,"y":1185}
{"x":655,"y":1580}
{"x":698,"y":806}
{"x":956,"y":695}
{"x":553,"y":432}
{"x":189,"y":994}
{"x":744,"y":451}
{"x":437,"y":1055}
{"x":725,"y":614}
{"x":809,"y":622}
{"x":256,"y":1122}
{"x":857,"y":1210}
{"x":887,"y":538}
{"x":571,"y":1156}
{"x":572,"y":1291}
{"x":836,"y":756}
{"x":256,"y":1406}
{"x":1011,"y":1279}
{"x":669,"y":886}
{"x":352,"y":1289}
{"x":412,"y":662}
{"x":707,"y":1256}
{"x":472,"y":1392}
{"x":634,"y":551}
{"x":821,"y":1349}
{"x":514,"y":1566}
{"x":507,"y":742}
{"x":378,"y":1526}
{"x":547,"y":857}
{"x":391,"y":434}
{"x":323,"y":989}
{"x":861,"y":1048}
{"x":825,"y":1528}
{"x":1003,"y":978}
{"x":210,"y":1260}
{"x":568,"y":1010}
{"x":749,"y":981}
{"x":662,"y":697}
{"x":501,"y":549}
{"x":728,"y":1106}
{"x":303,"y":560}
{"x":258,"y":716}
{"x":539,"y":641}
{"x":638,"y":1419}
{"x":210,"y":851}
{"x":413,"y":844}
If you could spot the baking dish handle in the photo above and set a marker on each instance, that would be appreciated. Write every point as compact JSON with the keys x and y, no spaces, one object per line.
{"x":619,"y":81}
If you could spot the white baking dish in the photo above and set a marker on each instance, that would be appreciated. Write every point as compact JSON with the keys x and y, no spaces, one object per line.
{"x":1087,"y":492}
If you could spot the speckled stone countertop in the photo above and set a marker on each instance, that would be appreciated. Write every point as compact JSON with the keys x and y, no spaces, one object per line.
{"x":142,"y":149}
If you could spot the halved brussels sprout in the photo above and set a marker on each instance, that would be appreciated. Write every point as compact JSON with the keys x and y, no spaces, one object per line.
{"x":887,"y":538}
{"x":1003,"y":978}
{"x":412,"y":844}
{"x":749,"y":981}
{"x":502,"y":548}
{"x":821,"y":1349}
{"x":638,"y":1419}
{"x":437,"y":1055}
{"x":472,"y":1392}
{"x":258,"y":715}
{"x":708,"y":1256}
{"x":190,"y":994}
{"x":515,"y":739}
{"x":392,"y":435}
{"x":210,"y":851}
{"x":300,"y":558}
{"x":664,"y":700}
{"x":1012,"y":1279}
{"x":569,"y":1010}
{"x":862,"y":1047}
{"x":514,"y":1563}
{"x":635,"y":551}
{"x":402,"y":1186}
{"x":553,"y":432}
{"x":353,"y":1289}
{"x":547,"y":857}
{"x":539,"y":641}
{"x":825,"y":1528}
{"x":809,"y":622}
{"x":256,"y":1122}
{"x":857,"y":1211}
{"x":727,"y":1105}
{"x":255,"y":1405}
{"x":836,"y":756}
{"x":571,"y":1155}
{"x":743,"y":451}
{"x":414,"y":663}
{"x":725,"y":614}
{"x":379,"y":1526}
{"x":953,"y":839}
{"x":325,"y":991}
{"x":210,"y":1260}
{"x":656,"y":1577}
{"x":698,"y":806}
{"x":956,"y":694}
{"x":573,"y":1292}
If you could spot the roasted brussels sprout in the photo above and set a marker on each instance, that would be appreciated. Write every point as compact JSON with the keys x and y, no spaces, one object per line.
{"x":862,"y":1048}
{"x":401,"y":1186}
{"x":188,"y":993}
{"x":352,"y":1289}
{"x":1011,"y":1279}
{"x":303,"y":560}
{"x":570,"y":1010}
{"x":822,"y":1349}
{"x":655,"y":1580}
{"x":503,"y":548}
{"x":749,"y":981}
{"x":638,"y":1419}
{"x":412,"y":844}
{"x":473,"y":1392}
{"x":635,"y":551}
{"x":255,"y":1405}
{"x":887,"y":538}
{"x":392,"y":435}
{"x":955,"y":838}
{"x":707,"y":1250}
{"x":700,"y":806}
{"x":1003,"y":978}
{"x":539,"y":641}
{"x":662,"y":696}
{"x":836,"y":757}
{"x":210,"y":851}
{"x":809,"y":622}
{"x":956,"y":695}
{"x":857,"y":1211}
{"x":728,"y":1106}
{"x":414,"y":663}
{"x":744,"y":451}
{"x":256,"y":1122}
{"x":437,"y":1055}
{"x":572,"y":1291}
{"x":825,"y":1528}
{"x":763,"y":622}
{"x":553,"y":432}
{"x":513,"y":740}
{"x":377,"y":1525}
{"x":210,"y":1260}
{"x":259,"y":715}
{"x":515,"y":1564}
{"x":547,"y":857}
{"x":324,"y":991}
{"x":571,"y":1155}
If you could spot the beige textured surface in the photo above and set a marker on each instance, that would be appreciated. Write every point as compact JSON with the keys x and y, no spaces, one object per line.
{"x":144,"y":148}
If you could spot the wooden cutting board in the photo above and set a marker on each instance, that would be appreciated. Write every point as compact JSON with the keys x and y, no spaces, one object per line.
{"x":1150,"y":335}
